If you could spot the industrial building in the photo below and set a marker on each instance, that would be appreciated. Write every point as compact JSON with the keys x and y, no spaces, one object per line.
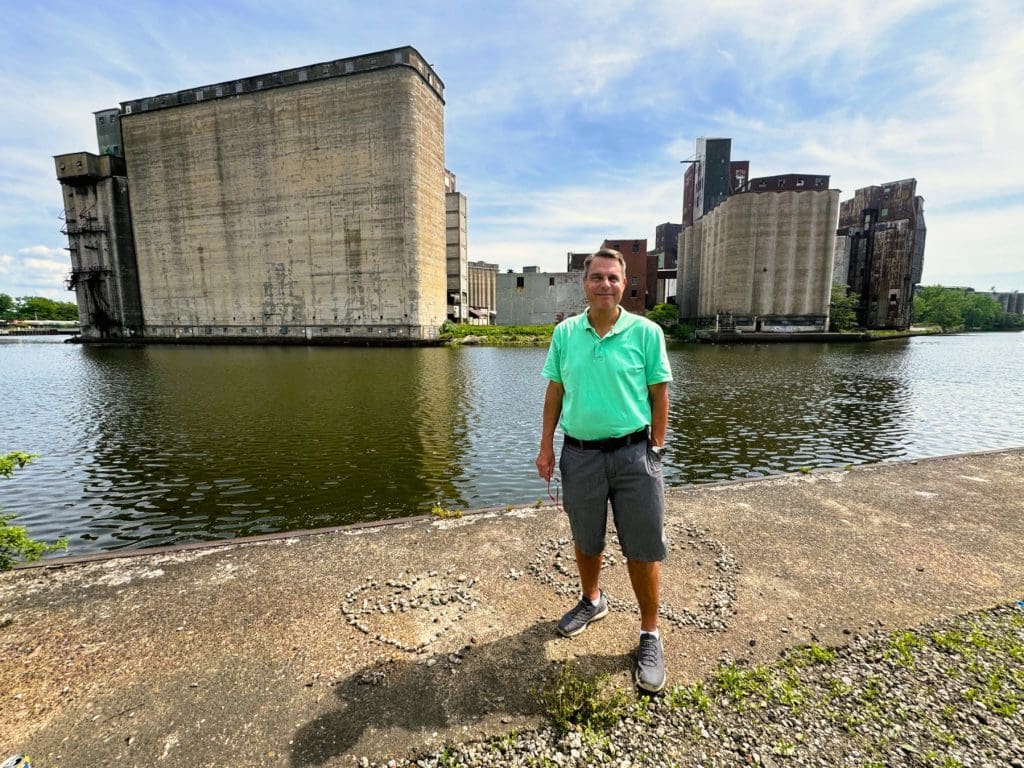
{"x":1012,"y":302}
{"x":879,"y":252}
{"x":538,"y":298}
{"x":666,"y":243}
{"x":305,"y":204}
{"x":482,"y":293}
{"x":754,"y":254}
{"x":634,"y":251}
{"x":456,"y":249}
{"x":761,"y":262}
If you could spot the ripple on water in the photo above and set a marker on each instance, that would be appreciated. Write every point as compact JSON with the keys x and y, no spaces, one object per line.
{"x":147,"y":446}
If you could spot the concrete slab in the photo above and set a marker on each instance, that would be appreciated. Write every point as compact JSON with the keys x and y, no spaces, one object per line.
{"x":319,"y":649}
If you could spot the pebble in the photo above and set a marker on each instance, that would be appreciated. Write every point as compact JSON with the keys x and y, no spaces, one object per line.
{"x":910,"y":707}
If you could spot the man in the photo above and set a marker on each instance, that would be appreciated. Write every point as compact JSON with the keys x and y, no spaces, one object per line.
{"x":608,"y":378}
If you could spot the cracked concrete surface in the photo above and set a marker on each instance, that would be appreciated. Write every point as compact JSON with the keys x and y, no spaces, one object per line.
{"x":322,"y":648}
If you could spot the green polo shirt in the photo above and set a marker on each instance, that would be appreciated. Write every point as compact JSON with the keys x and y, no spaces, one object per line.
{"x":606,"y":379}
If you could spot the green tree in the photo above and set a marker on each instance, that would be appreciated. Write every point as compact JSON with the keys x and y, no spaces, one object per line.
{"x":665,"y":315}
{"x":981,"y":312}
{"x":939,"y":306}
{"x":6,"y":307}
{"x":842,"y":309}
{"x":41,"y":308}
{"x":15,"y":544}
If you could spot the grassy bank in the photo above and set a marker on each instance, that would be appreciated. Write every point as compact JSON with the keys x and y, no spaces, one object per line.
{"x":497,"y":335}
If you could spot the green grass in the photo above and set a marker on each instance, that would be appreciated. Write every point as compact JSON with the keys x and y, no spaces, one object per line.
{"x":444,"y":513}
{"x":574,"y":702}
{"x":901,"y":649}
{"x":809,"y":655}
{"x":689,"y":697}
{"x":499,"y":335}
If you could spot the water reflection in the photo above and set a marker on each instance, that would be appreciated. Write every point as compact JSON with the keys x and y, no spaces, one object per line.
{"x":144,"y":446}
{"x":752,"y":411}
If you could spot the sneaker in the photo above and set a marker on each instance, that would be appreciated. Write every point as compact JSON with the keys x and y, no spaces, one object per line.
{"x":650,"y":664}
{"x":576,"y":620}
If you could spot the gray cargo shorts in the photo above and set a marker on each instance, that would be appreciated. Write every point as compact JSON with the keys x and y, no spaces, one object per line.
{"x":630,"y":478}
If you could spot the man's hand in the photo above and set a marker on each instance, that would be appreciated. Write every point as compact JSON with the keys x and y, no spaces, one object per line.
{"x":552,"y":410}
{"x":546,"y":462}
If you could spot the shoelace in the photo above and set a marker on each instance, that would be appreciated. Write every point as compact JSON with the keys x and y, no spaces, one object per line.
{"x":647,"y":653}
{"x":581,"y":608}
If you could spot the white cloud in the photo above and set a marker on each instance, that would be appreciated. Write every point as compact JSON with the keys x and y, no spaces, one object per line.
{"x":44,"y":250}
{"x":26,"y":274}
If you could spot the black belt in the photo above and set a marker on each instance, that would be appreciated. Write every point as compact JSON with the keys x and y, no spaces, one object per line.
{"x":610,"y":443}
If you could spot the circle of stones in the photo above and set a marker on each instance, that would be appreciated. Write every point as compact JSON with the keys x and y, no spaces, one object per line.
{"x":395,"y":598}
{"x":552,"y":568}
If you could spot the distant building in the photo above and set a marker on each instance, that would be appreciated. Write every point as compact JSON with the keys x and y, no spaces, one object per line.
{"x":739,"y":172}
{"x":666,"y":242}
{"x":710,"y":178}
{"x":482,"y":293}
{"x":538,"y":298}
{"x":1012,"y":302}
{"x":456,"y":250}
{"x":304,"y":204}
{"x":879,"y":252}
{"x":634,"y":298}
{"x":712,"y":175}
{"x":574,"y":261}
{"x":761,"y":262}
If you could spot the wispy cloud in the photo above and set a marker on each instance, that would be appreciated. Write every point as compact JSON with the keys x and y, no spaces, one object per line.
{"x":565,"y":121}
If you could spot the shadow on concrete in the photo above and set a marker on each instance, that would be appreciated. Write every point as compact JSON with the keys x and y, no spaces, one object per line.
{"x":403,"y":702}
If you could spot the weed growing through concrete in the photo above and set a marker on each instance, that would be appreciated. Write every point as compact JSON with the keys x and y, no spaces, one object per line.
{"x":689,"y":697}
{"x":574,"y":702}
{"x":808,"y":655}
{"x":444,"y":513}
{"x":901,"y":649}
{"x":738,"y":683}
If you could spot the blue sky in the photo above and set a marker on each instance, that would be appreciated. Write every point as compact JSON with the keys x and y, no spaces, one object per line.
{"x":566,"y":121}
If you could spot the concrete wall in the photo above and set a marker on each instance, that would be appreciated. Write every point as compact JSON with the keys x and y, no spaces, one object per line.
{"x":313,"y":209}
{"x":764,"y":259}
{"x":539,"y":298}
{"x":98,"y":224}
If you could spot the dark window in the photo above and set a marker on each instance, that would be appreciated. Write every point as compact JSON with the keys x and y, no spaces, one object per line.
{"x":633,"y":293}
{"x":551,"y":281}
{"x":519,"y":281}
{"x":636,"y":247}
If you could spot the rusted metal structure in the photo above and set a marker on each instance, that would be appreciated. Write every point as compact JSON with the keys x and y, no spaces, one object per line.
{"x":98,"y":225}
{"x":879,"y":252}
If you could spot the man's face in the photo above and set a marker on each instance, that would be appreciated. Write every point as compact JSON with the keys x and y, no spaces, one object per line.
{"x":604,"y":283}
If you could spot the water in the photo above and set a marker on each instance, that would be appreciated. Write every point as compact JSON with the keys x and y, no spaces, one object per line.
{"x":155,"y":445}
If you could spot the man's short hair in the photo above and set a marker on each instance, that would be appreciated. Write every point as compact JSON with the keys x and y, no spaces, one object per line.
{"x":604,"y":253}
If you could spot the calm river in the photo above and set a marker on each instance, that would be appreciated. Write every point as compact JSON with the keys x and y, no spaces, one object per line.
{"x":155,"y":445}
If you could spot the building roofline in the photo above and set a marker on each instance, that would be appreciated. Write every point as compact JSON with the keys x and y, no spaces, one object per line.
{"x":404,"y":56}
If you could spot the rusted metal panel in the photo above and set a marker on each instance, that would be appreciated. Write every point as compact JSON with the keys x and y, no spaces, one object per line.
{"x":882,"y":228}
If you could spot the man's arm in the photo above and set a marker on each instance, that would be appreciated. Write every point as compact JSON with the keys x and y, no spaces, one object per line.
{"x":659,"y":412}
{"x":552,"y":410}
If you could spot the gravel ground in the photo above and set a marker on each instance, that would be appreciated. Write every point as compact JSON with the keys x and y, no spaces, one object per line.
{"x":950,"y":693}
